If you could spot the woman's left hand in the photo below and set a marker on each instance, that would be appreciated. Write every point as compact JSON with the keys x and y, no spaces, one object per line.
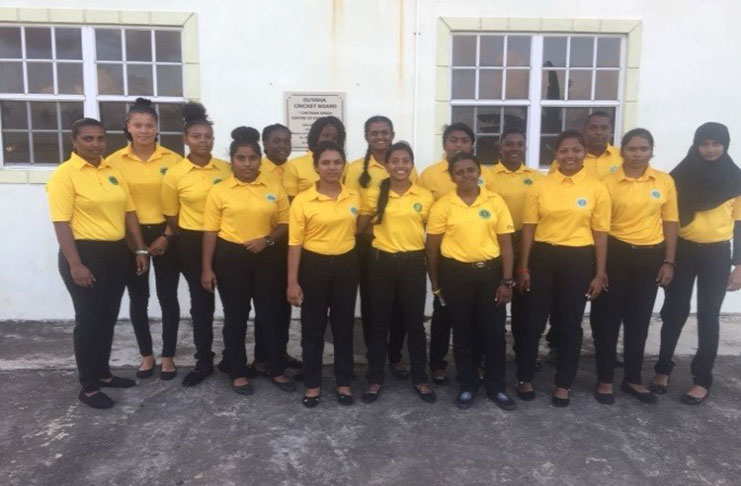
{"x":734,"y":280}
{"x":142,"y":264}
{"x":596,"y":286}
{"x":665,"y":275}
{"x":158,"y":246}
{"x":255,"y":246}
{"x":503,"y":295}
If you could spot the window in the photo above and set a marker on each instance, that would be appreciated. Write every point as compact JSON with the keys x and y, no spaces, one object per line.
{"x":52,"y":75}
{"x":541,"y":84}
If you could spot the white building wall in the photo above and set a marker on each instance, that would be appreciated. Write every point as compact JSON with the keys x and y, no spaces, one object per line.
{"x":251,"y":51}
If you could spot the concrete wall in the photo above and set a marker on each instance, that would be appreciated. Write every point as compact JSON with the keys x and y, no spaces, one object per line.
{"x":252,"y":51}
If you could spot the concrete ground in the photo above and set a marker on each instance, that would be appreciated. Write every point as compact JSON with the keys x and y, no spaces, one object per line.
{"x":163,"y":434}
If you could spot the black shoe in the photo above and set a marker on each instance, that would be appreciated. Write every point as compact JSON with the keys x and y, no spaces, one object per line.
{"x":286,"y":386}
{"x":619,"y":363}
{"x":440,"y":380}
{"x":537,"y":366}
{"x":646,"y":397}
{"x":659,"y":389}
{"x":294,"y":363}
{"x":168,"y":375}
{"x":525,"y":395}
{"x":310,"y":402}
{"x":369,"y":396}
{"x":429,"y":397}
{"x":399,"y":373}
{"x":245,"y":390}
{"x":98,"y":400}
{"x":502,"y":400}
{"x":464,"y":400}
{"x":560,"y":402}
{"x":605,"y":398}
{"x":223,"y":366}
{"x":344,"y":399}
{"x":148,"y":373}
{"x":197,"y":375}
{"x":690,"y":400}
{"x":118,"y":382}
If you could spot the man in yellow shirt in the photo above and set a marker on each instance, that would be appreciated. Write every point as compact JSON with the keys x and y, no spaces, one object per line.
{"x":602,"y":158}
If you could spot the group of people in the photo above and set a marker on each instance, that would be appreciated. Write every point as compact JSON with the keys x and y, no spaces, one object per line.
{"x":602,"y":227}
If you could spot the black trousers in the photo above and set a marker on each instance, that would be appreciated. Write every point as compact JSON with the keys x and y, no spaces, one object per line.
{"x":559,"y":278}
{"x":519,"y":311}
{"x":243,"y":276}
{"x":397,"y":278}
{"x":469,"y":290}
{"x":282,"y":320}
{"x":96,"y":308}
{"x":440,"y":327}
{"x":330,"y":284}
{"x":632,"y":291}
{"x":190,"y":257}
{"x":166,"y":277}
{"x":710,"y":264}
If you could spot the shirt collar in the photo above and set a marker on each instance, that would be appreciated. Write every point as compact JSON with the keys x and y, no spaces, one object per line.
{"x":650,"y":173}
{"x":192,"y":166}
{"x":578,"y":177}
{"x":500,"y":168}
{"x":609,"y":152}
{"x":316,"y":195}
{"x":413,"y":190}
{"x":484,"y":195}
{"x":80,"y":163}
{"x":158,"y":153}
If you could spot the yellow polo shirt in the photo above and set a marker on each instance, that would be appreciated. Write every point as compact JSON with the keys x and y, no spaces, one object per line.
{"x":93,"y":200}
{"x":713,"y":225}
{"x":323,"y":225}
{"x":299,"y":174}
{"x":641,"y":206}
{"x":436,"y":179}
{"x":377,"y":173}
{"x":403,"y":225}
{"x":470,"y":232}
{"x":567,"y":209}
{"x":271,"y":169}
{"x":185,"y":187}
{"x":243,"y":211}
{"x":513,"y":187}
{"x":144,"y":178}
{"x":599,"y":166}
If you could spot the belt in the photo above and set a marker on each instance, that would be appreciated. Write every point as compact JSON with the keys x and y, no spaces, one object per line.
{"x":615,"y":241}
{"x":400,"y":255}
{"x":694,"y":243}
{"x":482,"y":265}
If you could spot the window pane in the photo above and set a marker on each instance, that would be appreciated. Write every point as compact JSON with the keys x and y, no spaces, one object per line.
{"x":44,"y":115}
{"x":70,"y":112}
{"x":490,"y":84}
{"x":554,"y":51}
{"x":492,"y":50}
{"x":608,"y":52}
{"x":10,"y":42}
{"x":114,"y":141}
{"x":518,"y":51}
{"x":169,"y":81}
{"x":113,"y":115}
{"x":15,"y":147}
{"x":140,"y":79}
{"x":552,"y":83}
{"x":464,"y":50}
{"x":69,"y":43}
{"x":488,"y":119}
{"x":462,"y":114}
{"x":69,"y":78}
{"x":580,"y":85}
{"x":518,"y":81}
{"x":173,"y":142}
{"x":14,"y":114}
{"x":40,"y":77}
{"x":515,"y":117}
{"x":582,"y":52}
{"x":108,"y":44}
{"x":606,"y":85}
{"x":11,"y":77}
{"x":38,"y":43}
{"x":46,"y":148}
{"x":139,"y":45}
{"x":167,"y":43}
{"x":110,"y":79}
{"x":575,"y":118}
{"x":547,"y":149}
{"x":551,"y":120}
{"x":171,"y":117}
{"x":464,"y":83}
{"x":487,"y":149}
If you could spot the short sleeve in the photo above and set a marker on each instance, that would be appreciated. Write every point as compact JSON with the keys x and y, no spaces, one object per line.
{"x":61,"y":195}
{"x":504,"y":218}
{"x":438,"y":220}
{"x":531,"y":211}
{"x":369,"y":202}
{"x":170,"y":196}
{"x":283,"y":207}
{"x":213,"y":210}
{"x":737,"y":209}
{"x":296,"y":223}
{"x":290,"y":179}
{"x":602,"y":210}
{"x":669,"y":211}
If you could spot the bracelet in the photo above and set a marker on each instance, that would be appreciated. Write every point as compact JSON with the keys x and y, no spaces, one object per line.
{"x":667,"y":262}
{"x":508,"y":282}
{"x":521,"y":271}
{"x":436,"y":292}
{"x":141,"y":252}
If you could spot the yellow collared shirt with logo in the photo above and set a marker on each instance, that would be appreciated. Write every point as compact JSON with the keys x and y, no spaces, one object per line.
{"x":376,"y":171}
{"x":270,"y":169}
{"x":324,"y":225}
{"x":713,"y":225}
{"x":513,"y":186}
{"x":599,"y":165}
{"x":437,"y":180}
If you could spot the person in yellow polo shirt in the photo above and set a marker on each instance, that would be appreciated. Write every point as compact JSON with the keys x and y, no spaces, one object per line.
{"x":709,"y":198}
{"x":469,"y":260}
{"x":396,"y":212}
{"x":143,"y":163}
{"x":299,"y":174}
{"x":323,"y":271}
{"x":92,"y":211}
{"x":640,"y":258}
{"x":457,"y":138}
{"x":184,"y":191}
{"x":602,"y":158}
{"x":276,"y":139}
{"x":244,"y":217}
{"x":564,"y":248}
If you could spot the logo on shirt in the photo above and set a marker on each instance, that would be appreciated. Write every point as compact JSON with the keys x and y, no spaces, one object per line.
{"x":354,"y":210}
{"x":163,"y":170}
{"x":613,"y":169}
{"x":656,"y":194}
{"x":217,"y":180}
{"x":484,"y":214}
{"x":480,"y":181}
{"x":581,"y":202}
{"x":417,"y":207}
{"x":113,"y":180}
{"x":270,"y":197}
{"x":527,"y":182}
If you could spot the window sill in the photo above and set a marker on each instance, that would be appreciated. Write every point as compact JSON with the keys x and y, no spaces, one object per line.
{"x":26,"y":176}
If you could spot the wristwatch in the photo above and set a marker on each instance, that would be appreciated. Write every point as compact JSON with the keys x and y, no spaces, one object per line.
{"x":508,"y":282}
{"x":269,"y":241}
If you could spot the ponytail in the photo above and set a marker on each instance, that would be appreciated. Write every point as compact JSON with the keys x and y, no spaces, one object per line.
{"x":365,"y":177}
{"x":383,"y":199}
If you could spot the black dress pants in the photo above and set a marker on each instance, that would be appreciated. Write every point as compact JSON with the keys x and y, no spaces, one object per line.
{"x":710,"y":264}
{"x":469,"y":290}
{"x":96,"y":308}
{"x":397,"y":278}
{"x":283,"y":307}
{"x":166,"y":277}
{"x":329,"y":284}
{"x":632,"y":291}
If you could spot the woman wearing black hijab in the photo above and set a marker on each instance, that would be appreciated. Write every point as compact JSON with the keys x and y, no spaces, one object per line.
{"x":708,"y":192}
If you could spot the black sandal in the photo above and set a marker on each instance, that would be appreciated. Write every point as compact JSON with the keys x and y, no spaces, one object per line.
{"x":429,"y":397}
{"x":370,"y":396}
{"x":148,"y":373}
{"x":310,"y":402}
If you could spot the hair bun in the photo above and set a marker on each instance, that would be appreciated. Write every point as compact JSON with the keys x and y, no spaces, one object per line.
{"x":142,"y":103}
{"x":193,"y":111}
{"x":245,"y":134}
